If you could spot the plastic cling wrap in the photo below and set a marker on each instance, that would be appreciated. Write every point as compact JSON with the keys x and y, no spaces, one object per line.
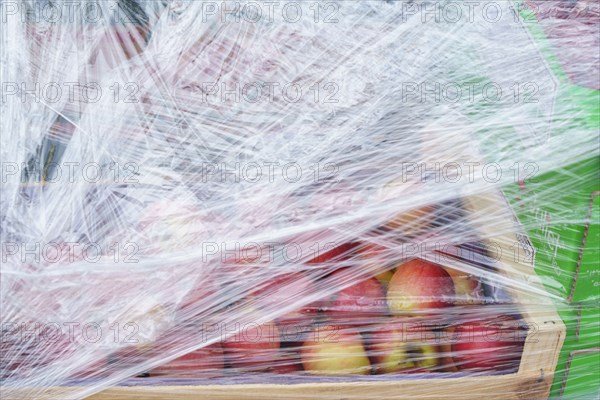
{"x":316,"y":199}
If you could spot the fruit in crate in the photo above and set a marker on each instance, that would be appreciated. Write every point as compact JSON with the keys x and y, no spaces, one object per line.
{"x":206,"y":362}
{"x":468,"y":289}
{"x":419,"y":286}
{"x":385,"y":277}
{"x":403,"y":345}
{"x":253,"y":347}
{"x":359,"y":302}
{"x":331,"y":350}
{"x":490,"y":344}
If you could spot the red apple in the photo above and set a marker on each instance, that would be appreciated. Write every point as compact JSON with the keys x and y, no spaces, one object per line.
{"x":491,"y":344}
{"x":206,"y":362}
{"x":468,"y":290}
{"x":385,"y":277}
{"x":254,"y":347}
{"x":330,"y":350}
{"x":419,"y":286}
{"x":403,"y":345}
{"x":360,"y":302}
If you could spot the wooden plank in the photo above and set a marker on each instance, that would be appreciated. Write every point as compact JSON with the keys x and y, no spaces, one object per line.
{"x":512,"y":386}
{"x":544,"y":342}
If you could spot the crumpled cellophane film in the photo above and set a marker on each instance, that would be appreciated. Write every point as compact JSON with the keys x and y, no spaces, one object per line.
{"x":294,"y":195}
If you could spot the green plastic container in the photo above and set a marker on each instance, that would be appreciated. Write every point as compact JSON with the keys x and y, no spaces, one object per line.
{"x":567,"y":254}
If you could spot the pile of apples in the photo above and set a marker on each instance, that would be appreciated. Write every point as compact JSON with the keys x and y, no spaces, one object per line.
{"x":415,"y":317}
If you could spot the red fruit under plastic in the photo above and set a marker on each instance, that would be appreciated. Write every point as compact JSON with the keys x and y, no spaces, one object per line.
{"x":363,"y":300}
{"x":488,"y":345}
{"x":339,"y":253}
{"x":254,"y":347}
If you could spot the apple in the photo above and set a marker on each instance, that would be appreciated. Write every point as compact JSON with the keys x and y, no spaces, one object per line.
{"x":468,"y":290}
{"x":385,"y":277}
{"x":373,"y":253}
{"x":254,"y":347}
{"x":330,"y":350}
{"x":419,"y":285}
{"x":360,"y":302}
{"x":206,"y":362}
{"x":403,"y":346}
{"x":490,"y":344}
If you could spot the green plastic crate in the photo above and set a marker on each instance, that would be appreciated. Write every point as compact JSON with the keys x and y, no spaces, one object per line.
{"x":567,"y":254}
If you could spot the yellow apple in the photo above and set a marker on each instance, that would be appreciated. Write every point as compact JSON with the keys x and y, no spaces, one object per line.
{"x":330,"y":350}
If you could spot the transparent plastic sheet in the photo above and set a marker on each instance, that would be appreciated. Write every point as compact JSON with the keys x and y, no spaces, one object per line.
{"x":299,"y":201}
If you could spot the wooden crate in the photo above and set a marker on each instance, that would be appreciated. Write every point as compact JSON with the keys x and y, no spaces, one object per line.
{"x":532,"y":380}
